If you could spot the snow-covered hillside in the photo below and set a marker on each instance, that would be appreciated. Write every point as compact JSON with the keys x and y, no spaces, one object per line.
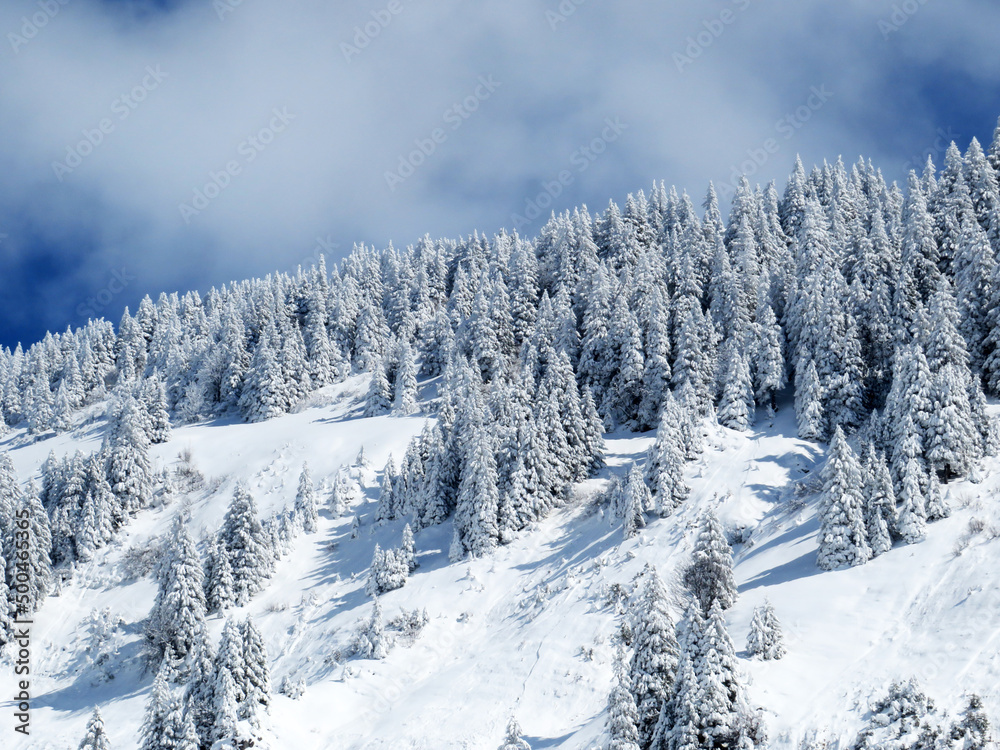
{"x":529,"y":630}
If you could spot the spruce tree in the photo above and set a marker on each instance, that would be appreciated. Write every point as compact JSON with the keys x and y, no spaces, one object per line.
{"x":476,"y":515}
{"x":256,"y":688}
{"x":653,"y":668}
{"x":225,"y":709}
{"x":305,"y":502}
{"x":809,"y":402}
{"x":623,"y":716}
{"x":842,"y":530}
{"x":8,"y":608}
{"x":710,"y":574}
{"x":247,"y":547}
{"x":379,"y":397}
{"x":879,"y":507}
{"x":665,"y":461}
{"x":157,"y":729}
{"x":765,"y":639}
{"x":912,"y":524}
{"x":514,"y":740}
{"x":736,"y":407}
{"x":128,"y":469}
{"x":177,"y":621}
{"x":405,"y":386}
{"x":96,"y":738}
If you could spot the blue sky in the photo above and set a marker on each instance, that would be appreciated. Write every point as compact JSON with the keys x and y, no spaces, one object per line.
{"x":305,"y":128}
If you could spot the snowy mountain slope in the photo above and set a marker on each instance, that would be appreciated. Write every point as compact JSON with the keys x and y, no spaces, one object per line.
{"x":529,"y":630}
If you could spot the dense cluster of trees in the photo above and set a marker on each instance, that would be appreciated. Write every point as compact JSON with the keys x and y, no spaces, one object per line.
{"x":881,"y":308}
{"x":682,"y":687}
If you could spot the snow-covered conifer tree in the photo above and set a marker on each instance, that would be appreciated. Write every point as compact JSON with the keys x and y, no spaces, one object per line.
{"x":257,"y":673}
{"x":665,"y":460}
{"x":247,"y":547}
{"x":809,"y":402}
{"x":765,"y":639}
{"x":736,"y":407}
{"x":842,"y":530}
{"x":879,"y":505}
{"x":653,"y":668}
{"x":405,"y":387}
{"x":912,"y":523}
{"x":710,"y":574}
{"x":305,"y":502}
{"x":623,"y":717}
{"x":176,"y":626}
{"x":96,"y":738}
{"x":379,"y":397}
{"x":513,"y":739}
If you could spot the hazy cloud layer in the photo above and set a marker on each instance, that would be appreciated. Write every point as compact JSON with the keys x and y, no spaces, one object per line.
{"x":233,"y":138}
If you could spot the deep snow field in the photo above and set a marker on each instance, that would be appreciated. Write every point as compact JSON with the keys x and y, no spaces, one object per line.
{"x":528,"y":631}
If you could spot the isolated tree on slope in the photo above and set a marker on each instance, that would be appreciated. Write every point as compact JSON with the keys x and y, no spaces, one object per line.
{"x":514,"y":740}
{"x":96,"y":737}
{"x":629,"y":500}
{"x":710,"y":574}
{"x":655,"y":653}
{"x":842,"y":531}
{"x":622,"y":713}
{"x":765,"y":639}
{"x":305,"y":502}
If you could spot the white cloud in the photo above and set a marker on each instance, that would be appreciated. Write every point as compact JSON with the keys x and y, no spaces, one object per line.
{"x":324,"y":174}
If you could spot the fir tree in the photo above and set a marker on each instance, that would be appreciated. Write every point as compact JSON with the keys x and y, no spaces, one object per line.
{"x":407,"y":549}
{"x":765,"y":639}
{"x":177,"y":622}
{"x":880,"y":506}
{"x":405,"y":386}
{"x":476,"y":515}
{"x":809,"y":402}
{"x":710,"y":574}
{"x":379,"y":397}
{"x":305,"y":502}
{"x":247,"y":547}
{"x":653,"y":667}
{"x":623,"y":716}
{"x":371,"y":641}
{"x":256,"y":689}
{"x":96,"y":737}
{"x":842,"y":530}
{"x":514,"y":740}
{"x":736,"y":408}
{"x":665,"y":461}
{"x":912,"y":524}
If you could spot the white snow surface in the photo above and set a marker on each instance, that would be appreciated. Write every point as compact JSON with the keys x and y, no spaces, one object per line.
{"x":528,"y":631}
